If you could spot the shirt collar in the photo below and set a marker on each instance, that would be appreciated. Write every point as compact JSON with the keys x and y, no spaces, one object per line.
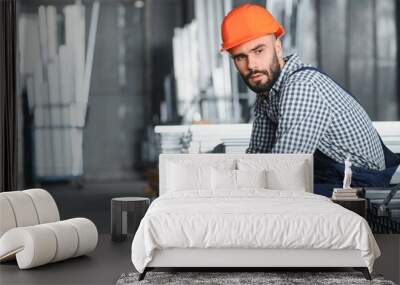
{"x":292,"y":63}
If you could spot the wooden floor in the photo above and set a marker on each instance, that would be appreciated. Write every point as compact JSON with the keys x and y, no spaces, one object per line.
{"x":103,"y":266}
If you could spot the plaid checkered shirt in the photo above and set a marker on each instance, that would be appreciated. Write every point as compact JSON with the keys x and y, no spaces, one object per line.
{"x":307,"y":110}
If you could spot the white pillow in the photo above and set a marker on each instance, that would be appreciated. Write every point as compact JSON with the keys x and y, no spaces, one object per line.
{"x":292,"y":178}
{"x":223,"y":179}
{"x":282,"y":174}
{"x":193,"y":174}
{"x":251,"y":178}
{"x":183,"y":177}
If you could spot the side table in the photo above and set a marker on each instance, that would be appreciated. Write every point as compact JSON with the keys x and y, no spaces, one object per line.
{"x":120,"y":207}
{"x":358,"y":206}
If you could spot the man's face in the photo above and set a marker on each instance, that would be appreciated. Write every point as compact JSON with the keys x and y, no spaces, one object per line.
{"x":257,"y":62}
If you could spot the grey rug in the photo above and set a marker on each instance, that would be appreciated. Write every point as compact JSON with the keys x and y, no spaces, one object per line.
{"x":228,"y":278}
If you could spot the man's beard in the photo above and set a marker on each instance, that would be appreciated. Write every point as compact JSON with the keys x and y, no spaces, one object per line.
{"x":272,"y":74}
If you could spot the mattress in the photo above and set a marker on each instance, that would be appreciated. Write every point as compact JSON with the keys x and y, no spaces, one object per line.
{"x":251,"y":219}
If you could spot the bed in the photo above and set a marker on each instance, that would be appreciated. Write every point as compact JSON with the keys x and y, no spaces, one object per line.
{"x":247,"y":210}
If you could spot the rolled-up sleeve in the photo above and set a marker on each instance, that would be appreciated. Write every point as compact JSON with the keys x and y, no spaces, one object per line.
{"x":303,"y":119}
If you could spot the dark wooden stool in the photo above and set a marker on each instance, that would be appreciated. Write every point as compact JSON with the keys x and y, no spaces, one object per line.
{"x":121,"y":209}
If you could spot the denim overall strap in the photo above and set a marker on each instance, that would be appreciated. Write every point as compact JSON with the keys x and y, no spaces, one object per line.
{"x":329,"y":174}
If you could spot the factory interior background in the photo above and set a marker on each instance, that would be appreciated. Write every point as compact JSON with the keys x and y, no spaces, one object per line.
{"x":96,"y":77}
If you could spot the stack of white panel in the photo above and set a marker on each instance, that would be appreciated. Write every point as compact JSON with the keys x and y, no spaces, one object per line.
{"x":171,"y":142}
{"x":202,"y":73}
{"x":236,"y":145}
{"x":185,"y":53}
{"x":205,"y":138}
{"x":54,"y":76}
{"x":58,"y":152}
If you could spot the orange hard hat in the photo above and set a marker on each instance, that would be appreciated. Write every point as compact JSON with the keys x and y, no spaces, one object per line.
{"x":247,"y":22}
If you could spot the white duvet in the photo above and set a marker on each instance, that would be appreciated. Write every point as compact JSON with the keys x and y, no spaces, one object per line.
{"x":250,"y":219}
